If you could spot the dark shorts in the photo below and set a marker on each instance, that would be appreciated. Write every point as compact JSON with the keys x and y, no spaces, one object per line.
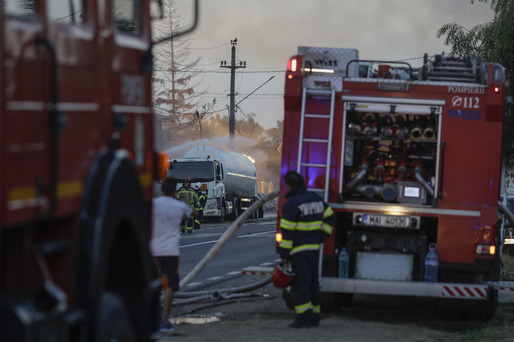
{"x":168,"y":271}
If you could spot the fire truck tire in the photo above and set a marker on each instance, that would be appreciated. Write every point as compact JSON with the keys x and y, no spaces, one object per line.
{"x":113,"y":236}
{"x":471,"y":310}
{"x":113,"y":321}
{"x":333,"y":301}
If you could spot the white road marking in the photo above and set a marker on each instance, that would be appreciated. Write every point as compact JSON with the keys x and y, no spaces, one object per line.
{"x":267,"y":263}
{"x":255,"y":234}
{"x":199,"y":243}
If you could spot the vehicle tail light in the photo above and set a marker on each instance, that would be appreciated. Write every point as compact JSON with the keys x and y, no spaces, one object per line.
{"x":278,"y":237}
{"x":485,"y":241}
{"x":294,"y":67}
{"x":485,"y":250}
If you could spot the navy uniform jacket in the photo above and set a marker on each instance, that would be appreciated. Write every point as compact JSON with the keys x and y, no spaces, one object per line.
{"x":306,"y":221}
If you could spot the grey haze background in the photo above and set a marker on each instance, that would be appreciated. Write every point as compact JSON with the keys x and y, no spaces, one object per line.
{"x":268,"y":32}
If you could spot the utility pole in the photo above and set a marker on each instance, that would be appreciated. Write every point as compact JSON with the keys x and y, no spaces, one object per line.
{"x":232,"y":67}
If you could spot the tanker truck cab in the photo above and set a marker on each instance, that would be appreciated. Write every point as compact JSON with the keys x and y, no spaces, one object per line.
{"x":228,"y":178}
{"x":209,"y":173}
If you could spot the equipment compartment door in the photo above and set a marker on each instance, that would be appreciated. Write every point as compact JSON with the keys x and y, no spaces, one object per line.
{"x":391,"y":150}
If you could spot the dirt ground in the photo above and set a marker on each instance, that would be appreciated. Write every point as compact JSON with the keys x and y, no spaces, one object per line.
{"x":263,"y":316}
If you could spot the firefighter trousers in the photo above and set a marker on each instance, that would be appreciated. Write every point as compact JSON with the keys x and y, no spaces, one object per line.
{"x":305,"y":288}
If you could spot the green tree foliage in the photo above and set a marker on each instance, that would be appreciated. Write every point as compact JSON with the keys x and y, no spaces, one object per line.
{"x":493,"y":42}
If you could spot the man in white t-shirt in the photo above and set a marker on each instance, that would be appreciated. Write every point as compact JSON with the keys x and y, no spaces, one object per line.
{"x":167,"y":214}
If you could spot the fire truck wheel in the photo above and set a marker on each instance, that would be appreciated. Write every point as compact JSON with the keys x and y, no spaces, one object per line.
{"x":333,"y":301}
{"x":113,"y":321}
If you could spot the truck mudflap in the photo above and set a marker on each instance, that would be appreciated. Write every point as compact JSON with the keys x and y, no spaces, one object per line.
{"x":407,"y":288}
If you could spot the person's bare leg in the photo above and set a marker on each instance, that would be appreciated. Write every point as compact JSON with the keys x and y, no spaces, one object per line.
{"x":166,"y":306}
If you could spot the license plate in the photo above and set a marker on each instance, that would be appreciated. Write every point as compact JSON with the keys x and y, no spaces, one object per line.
{"x":509,"y":241}
{"x":376,"y":220}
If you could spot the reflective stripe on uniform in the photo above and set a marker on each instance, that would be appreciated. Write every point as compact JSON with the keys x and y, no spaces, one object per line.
{"x":310,"y":247}
{"x":308,"y":226}
{"x":287,"y":244}
{"x":286,"y":224}
{"x":300,"y":309}
{"x":328,"y":212}
{"x":327,"y":228}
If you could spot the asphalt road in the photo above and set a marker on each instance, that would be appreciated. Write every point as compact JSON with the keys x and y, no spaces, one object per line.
{"x":253,"y":244}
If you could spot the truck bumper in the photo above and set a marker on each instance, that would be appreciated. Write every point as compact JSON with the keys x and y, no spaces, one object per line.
{"x":212,"y":208}
{"x":406,"y":288}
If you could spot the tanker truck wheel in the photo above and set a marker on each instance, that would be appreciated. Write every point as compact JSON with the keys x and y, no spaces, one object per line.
{"x":235,"y":211}
{"x":221,"y":218}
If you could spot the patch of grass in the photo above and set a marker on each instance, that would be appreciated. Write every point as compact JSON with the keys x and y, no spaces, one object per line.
{"x":500,"y":328}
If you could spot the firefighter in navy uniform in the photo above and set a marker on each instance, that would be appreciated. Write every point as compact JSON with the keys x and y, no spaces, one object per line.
{"x":306,"y":222}
{"x":188,"y":195}
{"x":202,"y":198}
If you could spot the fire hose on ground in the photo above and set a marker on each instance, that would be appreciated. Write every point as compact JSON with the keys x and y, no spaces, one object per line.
{"x":215,"y":249}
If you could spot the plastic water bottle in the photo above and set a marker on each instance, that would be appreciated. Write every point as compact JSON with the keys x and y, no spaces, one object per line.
{"x":431,"y":264}
{"x":344,"y":260}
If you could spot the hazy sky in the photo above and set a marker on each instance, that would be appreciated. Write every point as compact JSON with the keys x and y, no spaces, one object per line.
{"x":268,"y":32}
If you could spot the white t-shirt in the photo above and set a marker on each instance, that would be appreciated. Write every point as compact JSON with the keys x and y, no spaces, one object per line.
{"x":167,"y":214}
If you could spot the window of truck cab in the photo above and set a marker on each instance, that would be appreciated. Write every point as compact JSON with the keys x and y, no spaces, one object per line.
{"x":69,"y":12}
{"x":22,"y":10}
{"x":127,"y":17}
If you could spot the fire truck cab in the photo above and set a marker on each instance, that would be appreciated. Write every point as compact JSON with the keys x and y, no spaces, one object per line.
{"x":406,"y":157}
{"x":77,"y":170}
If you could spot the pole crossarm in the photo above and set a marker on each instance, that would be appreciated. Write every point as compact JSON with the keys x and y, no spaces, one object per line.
{"x":232,"y":67}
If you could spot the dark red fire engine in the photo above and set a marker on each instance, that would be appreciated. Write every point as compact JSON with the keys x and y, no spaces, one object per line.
{"x":406,"y":158}
{"x":76,"y":171}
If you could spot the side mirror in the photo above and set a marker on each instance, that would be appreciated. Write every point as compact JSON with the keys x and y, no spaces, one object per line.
{"x":178,"y":33}
{"x":161,"y":165}
{"x":156,"y":10}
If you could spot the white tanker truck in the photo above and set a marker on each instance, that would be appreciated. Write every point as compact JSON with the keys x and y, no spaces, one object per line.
{"x":229,"y":179}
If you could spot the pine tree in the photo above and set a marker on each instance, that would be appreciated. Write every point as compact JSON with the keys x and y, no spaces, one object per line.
{"x":175,"y":98}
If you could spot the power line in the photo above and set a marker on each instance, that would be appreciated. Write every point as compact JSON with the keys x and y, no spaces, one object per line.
{"x":226,"y":72}
{"x":209,"y":48}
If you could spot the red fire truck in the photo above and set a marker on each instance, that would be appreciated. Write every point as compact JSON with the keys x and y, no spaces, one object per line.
{"x":76,"y":171}
{"x":406,"y":158}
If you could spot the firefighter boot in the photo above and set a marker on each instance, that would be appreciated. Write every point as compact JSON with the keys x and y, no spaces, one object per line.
{"x":315,"y":320}
{"x":303,"y":320}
